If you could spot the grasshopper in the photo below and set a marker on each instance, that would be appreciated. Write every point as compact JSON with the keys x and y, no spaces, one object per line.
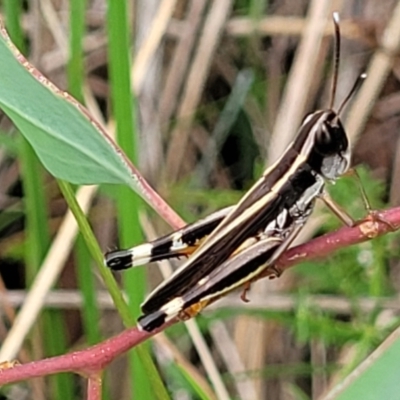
{"x":231,"y":247}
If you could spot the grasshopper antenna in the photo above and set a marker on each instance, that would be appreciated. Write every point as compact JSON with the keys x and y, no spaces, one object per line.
{"x":359,"y":80}
{"x":355,"y":87}
{"x":336,"y":22}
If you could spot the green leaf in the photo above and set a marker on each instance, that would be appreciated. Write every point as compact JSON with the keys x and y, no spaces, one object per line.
{"x":68,"y":143}
{"x":376,"y":378}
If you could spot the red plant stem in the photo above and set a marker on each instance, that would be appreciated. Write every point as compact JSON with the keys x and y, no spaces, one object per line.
{"x":87,"y":362}
{"x":91,"y":361}
{"x":376,"y":224}
{"x":94,"y":391}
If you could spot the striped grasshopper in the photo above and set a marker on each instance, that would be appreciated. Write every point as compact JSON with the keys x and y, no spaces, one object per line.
{"x":231,"y":247}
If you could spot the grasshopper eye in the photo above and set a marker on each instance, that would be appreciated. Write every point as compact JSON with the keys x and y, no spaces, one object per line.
{"x":325,"y":140}
{"x":331,"y":139}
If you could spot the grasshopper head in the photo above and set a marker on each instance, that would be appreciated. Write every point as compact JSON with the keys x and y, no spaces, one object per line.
{"x":332,"y":145}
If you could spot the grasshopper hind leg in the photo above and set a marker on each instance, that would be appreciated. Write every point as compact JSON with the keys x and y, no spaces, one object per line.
{"x":180,"y":243}
{"x":118,"y":260}
{"x":123,"y":259}
{"x":232,"y":274}
{"x":152,"y":321}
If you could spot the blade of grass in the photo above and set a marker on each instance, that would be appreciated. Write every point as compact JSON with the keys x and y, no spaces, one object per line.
{"x":143,"y":376}
{"x":12,"y":11}
{"x":53,"y":338}
{"x":37,"y":233}
{"x":75,"y":71}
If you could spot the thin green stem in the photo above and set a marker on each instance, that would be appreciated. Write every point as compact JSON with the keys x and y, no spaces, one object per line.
{"x":96,"y":253}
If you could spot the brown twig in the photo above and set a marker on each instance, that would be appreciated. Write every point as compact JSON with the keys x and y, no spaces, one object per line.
{"x":283,"y":25}
{"x":211,"y":34}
